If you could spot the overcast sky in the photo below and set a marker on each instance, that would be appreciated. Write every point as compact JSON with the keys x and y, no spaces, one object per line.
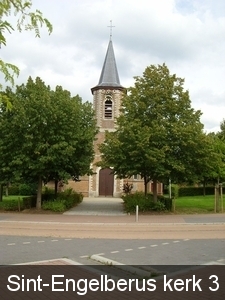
{"x":187,"y":35}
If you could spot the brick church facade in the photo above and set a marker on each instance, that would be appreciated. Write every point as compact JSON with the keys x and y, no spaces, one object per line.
{"x":107,"y":95}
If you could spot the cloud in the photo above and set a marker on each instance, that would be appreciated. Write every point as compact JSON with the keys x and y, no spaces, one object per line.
{"x":187,"y":35}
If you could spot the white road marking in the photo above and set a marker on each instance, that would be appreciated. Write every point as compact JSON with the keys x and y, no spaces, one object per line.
{"x":128,"y":250}
{"x":41,"y":241}
{"x":154,"y":246}
{"x":114,"y":251}
{"x":12,"y":244}
{"x":176,"y":241}
{"x":54,"y":240}
{"x":165,"y":243}
{"x":68,"y":239}
{"x":84,"y":256}
{"x":26,"y":243}
{"x":141,"y":247}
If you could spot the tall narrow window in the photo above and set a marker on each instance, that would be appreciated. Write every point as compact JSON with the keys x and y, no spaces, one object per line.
{"x":108,"y":108}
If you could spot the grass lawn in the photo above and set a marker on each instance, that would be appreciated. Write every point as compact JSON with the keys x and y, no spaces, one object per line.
{"x":195,"y":204}
{"x":11,"y":203}
{"x":9,"y":198}
{"x":183,"y":205}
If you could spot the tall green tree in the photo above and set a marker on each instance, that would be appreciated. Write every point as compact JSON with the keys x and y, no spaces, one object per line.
{"x":49,"y":134}
{"x":27,"y":19}
{"x":158,"y":132}
{"x":210,"y":168}
{"x":219,"y":148}
{"x":221,"y":133}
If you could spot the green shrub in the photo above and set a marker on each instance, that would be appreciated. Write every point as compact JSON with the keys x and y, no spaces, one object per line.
{"x":11,"y":205}
{"x":65,"y":200}
{"x":56,"y":206}
{"x":195,"y":191}
{"x":12,"y":189}
{"x":158,"y":206}
{"x":166,"y":201}
{"x":145,"y":203}
{"x":29,"y":202}
{"x":70,"y":197}
{"x":48,"y":194}
{"x":132,"y":200}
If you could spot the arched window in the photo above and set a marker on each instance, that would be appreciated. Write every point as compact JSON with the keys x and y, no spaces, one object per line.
{"x":108,"y":107}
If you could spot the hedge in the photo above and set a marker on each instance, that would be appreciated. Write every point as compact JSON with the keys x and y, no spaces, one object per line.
{"x":196,"y":191}
{"x":145,"y":203}
{"x":11,"y":205}
{"x":183,"y":191}
{"x":65,"y":200}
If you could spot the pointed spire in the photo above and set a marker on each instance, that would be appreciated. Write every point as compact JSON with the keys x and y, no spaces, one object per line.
{"x":109,"y":76}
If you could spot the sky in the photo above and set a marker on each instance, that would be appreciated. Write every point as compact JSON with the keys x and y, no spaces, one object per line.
{"x":187,"y":35}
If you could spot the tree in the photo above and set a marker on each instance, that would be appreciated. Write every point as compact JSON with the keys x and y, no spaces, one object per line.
{"x":219,"y":147}
{"x":46,"y":135}
{"x":27,"y":20}
{"x":158,"y":132}
{"x":78,"y":163}
{"x":221,"y":133}
{"x":211,"y":167}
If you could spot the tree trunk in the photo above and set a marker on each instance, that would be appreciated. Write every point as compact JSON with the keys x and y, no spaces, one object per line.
{"x":154,"y":190}
{"x":1,"y":192}
{"x":204,"y":184}
{"x":7,"y":190}
{"x":39,"y":192}
{"x":146,"y":185}
{"x":56,"y":187}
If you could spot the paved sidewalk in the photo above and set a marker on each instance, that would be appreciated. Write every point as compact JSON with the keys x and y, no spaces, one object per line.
{"x":101,"y":206}
{"x":105,"y":218}
{"x":110,"y":210}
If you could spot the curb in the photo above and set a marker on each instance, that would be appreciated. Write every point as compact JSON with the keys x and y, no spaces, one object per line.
{"x":121,"y":266}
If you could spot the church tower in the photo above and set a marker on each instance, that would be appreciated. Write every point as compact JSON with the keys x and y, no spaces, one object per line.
{"x":107,"y":96}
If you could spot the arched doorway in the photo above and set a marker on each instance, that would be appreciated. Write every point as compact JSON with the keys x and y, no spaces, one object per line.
{"x":106,"y":182}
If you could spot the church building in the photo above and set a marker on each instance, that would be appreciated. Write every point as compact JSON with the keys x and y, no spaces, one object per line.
{"x":107,"y":95}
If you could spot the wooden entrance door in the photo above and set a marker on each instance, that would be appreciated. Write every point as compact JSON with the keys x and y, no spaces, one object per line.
{"x":106,"y":182}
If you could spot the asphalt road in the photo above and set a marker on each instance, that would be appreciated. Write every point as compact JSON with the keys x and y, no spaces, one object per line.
{"x":167,"y":243}
{"x":155,"y":239}
{"x":16,"y":250}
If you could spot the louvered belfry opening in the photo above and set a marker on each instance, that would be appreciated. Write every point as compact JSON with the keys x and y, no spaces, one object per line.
{"x":108,"y":107}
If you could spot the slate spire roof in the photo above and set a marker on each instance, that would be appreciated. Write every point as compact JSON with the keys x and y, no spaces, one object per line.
{"x":109,"y":77}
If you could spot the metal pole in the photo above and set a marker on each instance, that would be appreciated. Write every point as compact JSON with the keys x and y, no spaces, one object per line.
{"x":136,"y":213}
{"x":170,"y":193}
{"x":215,"y":201}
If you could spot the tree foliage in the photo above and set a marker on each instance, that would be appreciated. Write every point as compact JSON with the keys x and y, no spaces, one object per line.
{"x":27,"y":19}
{"x":46,"y":135}
{"x":159,"y":135}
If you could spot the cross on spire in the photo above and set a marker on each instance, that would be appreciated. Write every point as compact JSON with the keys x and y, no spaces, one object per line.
{"x":111,"y":27}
